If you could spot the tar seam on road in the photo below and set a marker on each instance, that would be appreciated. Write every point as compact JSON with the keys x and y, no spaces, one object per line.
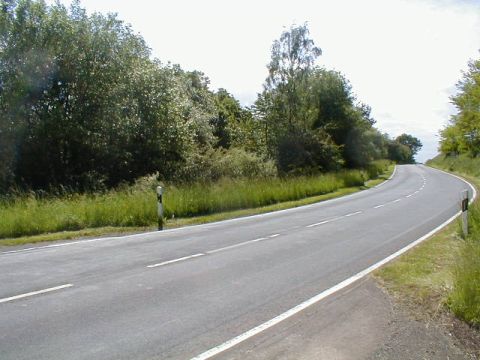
{"x":21,"y":296}
{"x":268,"y":324}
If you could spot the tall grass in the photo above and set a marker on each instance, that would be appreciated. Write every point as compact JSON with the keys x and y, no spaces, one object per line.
{"x":460,"y":164}
{"x":136,"y":206}
{"x":465,"y":297}
{"x":464,"y":300}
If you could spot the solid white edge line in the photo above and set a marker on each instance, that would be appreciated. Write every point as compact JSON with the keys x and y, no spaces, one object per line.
{"x":474,"y":190}
{"x":175,"y":260}
{"x":21,"y":296}
{"x":268,"y":324}
{"x":206,"y":225}
{"x":390,"y":178}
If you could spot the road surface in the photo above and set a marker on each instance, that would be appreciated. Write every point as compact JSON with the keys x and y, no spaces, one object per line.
{"x":179,"y":293}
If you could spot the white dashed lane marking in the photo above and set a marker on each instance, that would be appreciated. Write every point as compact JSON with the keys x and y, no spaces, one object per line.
{"x":176,"y":260}
{"x":353,"y":214}
{"x":184,"y":258}
{"x":21,"y":296}
{"x":321,"y":223}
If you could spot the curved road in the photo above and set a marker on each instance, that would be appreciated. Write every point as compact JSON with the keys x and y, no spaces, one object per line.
{"x":179,"y":293}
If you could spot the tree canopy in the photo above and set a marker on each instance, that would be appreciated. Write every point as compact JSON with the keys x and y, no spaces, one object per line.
{"x":83,"y":105}
{"x":462,"y":135}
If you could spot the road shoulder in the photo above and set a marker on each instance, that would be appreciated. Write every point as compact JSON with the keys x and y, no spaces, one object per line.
{"x":359,"y":322}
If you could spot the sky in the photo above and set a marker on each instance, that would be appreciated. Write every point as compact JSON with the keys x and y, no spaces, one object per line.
{"x":402,"y":57}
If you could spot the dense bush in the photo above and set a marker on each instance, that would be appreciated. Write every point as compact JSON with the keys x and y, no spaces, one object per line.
{"x":214,"y":164}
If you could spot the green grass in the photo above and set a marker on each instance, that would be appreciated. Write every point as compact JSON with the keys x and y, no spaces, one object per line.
{"x":423,"y":275}
{"x":443,"y":271}
{"x":464,"y":299}
{"x":29,"y":219}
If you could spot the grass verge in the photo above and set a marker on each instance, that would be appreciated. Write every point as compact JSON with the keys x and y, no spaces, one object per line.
{"x":442,"y":273}
{"x":193,"y":220}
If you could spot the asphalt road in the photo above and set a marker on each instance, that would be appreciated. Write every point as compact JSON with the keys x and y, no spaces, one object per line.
{"x":178,"y":293}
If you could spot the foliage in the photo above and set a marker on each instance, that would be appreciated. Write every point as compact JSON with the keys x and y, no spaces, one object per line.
{"x":214,"y":164}
{"x":412,"y":143}
{"x":400,"y":153}
{"x":302,"y":152}
{"x":83,"y":99}
{"x":304,"y":107}
{"x":463,"y":133}
{"x":82,"y":104}
{"x":84,"y":107}
{"x":234,"y":126}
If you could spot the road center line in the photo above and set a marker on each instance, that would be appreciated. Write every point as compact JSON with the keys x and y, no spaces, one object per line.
{"x":379,"y":206}
{"x":211,"y":251}
{"x":352,"y":214}
{"x":259,"y":239}
{"x":21,"y":296}
{"x":397,"y":200}
{"x":319,"y":223}
{"x":409,"y":196}
{"x":234,"y":245}
{"x":176,"y":260}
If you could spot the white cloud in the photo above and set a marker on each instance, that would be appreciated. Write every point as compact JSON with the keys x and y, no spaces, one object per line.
{"x":402,"y":57}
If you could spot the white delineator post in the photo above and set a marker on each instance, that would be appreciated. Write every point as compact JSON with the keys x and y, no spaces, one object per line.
{"x":465,"y":212}
{"x":160,"y":207}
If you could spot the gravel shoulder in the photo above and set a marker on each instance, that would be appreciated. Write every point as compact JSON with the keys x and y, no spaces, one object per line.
{"x":360,"y":322}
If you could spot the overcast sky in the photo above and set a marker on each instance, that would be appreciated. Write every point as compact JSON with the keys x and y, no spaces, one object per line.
{"x":402,"y":57}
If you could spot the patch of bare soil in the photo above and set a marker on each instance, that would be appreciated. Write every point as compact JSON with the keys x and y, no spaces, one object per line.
{"x":427,"y":330}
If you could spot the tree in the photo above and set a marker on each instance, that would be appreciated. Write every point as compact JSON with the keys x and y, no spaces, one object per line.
{"x":82,"y":104}
{"x":467,"y":101}
{"x":307,"y":152}
{"x":412,"y":143}
{"x":282,"y":102}
{"x":450,"y":140}
{"x":399,"y":153}
{"x":301,"y":101}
